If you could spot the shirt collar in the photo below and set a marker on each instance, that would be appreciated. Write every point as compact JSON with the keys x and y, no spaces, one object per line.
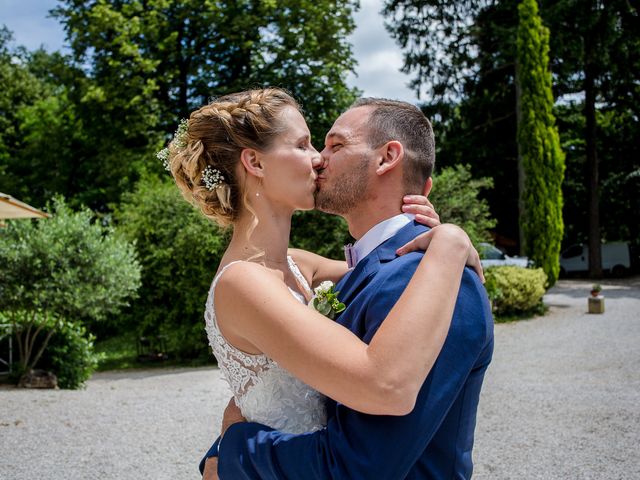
{"x":377,"y":235}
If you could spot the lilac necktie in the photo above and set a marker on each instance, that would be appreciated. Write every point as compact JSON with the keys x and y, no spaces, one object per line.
{"x":350,"y":255}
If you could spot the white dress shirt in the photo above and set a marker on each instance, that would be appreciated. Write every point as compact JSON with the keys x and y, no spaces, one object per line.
{"x":375,"y":236}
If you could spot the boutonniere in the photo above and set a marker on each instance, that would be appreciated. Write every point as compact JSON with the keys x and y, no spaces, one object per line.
{"x":326,"y":300}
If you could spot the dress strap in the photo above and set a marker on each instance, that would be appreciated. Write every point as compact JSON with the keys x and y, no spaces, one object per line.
{"x":302,"y":282}
{"x":217,"y":277}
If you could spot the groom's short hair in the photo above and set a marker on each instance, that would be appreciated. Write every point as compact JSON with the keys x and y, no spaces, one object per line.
{"x":395,"y":120}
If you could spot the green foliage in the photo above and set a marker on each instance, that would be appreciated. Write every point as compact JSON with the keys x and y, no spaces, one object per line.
{"x":65,"y":268}
{"x":87,"y":125}
{"x":515,"y":290}
{"x":320,"y":233}
{"x":462,"y":57}
{"x":71,"y":355}
{"x":118,"y":352}
{"x":66,"y":265}
{"x":619,"y":155}
{"x":456,"y":197}
{"x":159,"y":59}
{"x":54,"y":139}
{"x":179,"y":250}
{"x":539,"y":146}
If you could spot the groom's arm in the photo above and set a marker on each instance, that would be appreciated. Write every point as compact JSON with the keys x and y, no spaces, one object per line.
{"x":355,"y":445}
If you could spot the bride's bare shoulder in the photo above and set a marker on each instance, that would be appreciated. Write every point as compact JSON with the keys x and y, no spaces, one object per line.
{"x":242,"y":279}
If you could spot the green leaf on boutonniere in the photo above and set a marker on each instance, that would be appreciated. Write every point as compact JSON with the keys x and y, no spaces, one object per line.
{"x":326,"y":300}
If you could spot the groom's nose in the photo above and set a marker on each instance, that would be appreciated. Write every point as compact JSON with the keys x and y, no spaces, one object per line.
{"x":319,"y":162}
{"x":316,"y":161}
{"x":324,"y":159}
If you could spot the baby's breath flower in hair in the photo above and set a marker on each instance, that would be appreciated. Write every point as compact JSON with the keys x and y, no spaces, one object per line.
{"x":180,"y":137}
{"x":179,"y":140}
{"x":212,"y":178}
{"x":163,"y":156}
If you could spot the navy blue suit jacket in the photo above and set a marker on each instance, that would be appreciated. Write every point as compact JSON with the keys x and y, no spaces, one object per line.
{"x":434,"y":441}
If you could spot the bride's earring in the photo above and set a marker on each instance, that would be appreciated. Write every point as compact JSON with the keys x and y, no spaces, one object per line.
{"x":259,"y":185}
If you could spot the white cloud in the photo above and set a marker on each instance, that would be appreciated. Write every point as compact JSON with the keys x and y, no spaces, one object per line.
{"x":379,"y":58}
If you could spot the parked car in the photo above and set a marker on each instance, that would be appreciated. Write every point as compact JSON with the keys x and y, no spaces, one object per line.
{"x":616,"y":258}
{"x":492,"y":256}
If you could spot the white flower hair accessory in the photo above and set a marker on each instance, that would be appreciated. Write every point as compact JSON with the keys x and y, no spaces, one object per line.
{"x":212,"y":178}
{"x":179,"y":140}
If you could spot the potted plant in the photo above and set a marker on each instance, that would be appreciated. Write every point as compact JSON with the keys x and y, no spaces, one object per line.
{"x":596,"y":288}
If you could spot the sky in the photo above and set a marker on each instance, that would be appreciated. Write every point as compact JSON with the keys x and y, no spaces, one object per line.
{"x":379,"y":59}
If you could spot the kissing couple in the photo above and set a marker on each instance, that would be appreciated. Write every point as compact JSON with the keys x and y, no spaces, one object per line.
{"x":385,"y":382}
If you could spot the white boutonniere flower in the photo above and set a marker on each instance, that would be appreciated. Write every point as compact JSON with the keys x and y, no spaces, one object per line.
{"x":326,"y":300}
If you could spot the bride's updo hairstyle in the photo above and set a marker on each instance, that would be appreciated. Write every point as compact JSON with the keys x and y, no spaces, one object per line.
{"x":215,"y":136}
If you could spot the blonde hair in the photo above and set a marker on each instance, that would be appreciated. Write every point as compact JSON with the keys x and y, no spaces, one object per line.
{"x":215,"y":136}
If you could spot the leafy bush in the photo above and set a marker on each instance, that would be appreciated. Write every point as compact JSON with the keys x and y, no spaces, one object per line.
{"x":61,"y":269}
{"x":320,"y":233}
{"x":180,"y":251}
{"x":71,"y":356}
{"x":515,"y":290}
{"x":456,"y":197}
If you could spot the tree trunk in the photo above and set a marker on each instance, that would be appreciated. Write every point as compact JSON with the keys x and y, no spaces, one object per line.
{"x":595,"y":253}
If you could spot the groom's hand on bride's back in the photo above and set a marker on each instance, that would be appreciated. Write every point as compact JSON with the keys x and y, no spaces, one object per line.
{"x":230,"y":416}
{"x":211,"y":469}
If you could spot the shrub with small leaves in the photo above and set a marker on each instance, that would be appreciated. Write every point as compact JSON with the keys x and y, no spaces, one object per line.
{"x":64,"y":268}
{"x":456,"y":196}
{"x":71,"y":356}
{"x":515,"y":290}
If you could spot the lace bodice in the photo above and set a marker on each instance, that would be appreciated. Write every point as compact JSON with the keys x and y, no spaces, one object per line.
{"x":265,"y":392}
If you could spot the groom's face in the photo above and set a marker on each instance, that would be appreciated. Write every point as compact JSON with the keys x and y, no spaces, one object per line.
{"x":347,"y":164}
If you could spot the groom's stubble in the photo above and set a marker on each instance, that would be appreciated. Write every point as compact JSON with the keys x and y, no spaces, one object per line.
{"x":345,"y":193}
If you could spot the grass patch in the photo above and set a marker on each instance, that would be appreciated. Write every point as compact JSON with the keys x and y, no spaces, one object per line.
{"x":121,"y":353}
{"x":537,"y":311}
{"x":117,"y":353}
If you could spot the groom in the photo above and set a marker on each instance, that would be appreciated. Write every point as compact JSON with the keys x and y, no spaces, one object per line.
{"x":375,"y":152}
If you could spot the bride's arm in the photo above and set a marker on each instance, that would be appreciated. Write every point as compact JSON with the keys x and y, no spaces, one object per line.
{"x":317,"y":268}
{"x":383,"y":377}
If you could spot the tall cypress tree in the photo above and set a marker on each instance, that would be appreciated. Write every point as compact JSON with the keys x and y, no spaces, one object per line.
{"x":542,"y":160}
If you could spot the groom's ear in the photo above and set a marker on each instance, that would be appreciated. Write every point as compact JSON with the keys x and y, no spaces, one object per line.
{"x":251,"y":162}
{"x":427,"y":187}
{"x":391,"y":155}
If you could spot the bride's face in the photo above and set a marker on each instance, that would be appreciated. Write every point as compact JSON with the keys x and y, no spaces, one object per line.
{"x":289,"y":164}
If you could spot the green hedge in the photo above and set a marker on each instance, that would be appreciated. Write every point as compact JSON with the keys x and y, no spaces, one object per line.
{"x":515,"y":290}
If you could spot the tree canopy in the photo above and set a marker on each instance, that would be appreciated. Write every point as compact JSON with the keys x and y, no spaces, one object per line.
{"x":462,"y":56}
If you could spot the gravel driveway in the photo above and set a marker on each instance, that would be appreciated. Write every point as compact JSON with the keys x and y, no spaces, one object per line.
{"x":561,"y":401}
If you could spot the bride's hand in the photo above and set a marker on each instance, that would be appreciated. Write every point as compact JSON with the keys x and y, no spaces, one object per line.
{"x":422,"y":208}
{"x":422,"y":241}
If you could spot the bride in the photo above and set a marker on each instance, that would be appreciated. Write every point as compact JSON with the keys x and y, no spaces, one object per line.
{"x":246,"y":160}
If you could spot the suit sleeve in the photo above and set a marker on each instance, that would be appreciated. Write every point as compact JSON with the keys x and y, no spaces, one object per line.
{"x":357,"y":445}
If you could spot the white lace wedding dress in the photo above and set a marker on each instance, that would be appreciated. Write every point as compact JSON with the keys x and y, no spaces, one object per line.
{"x":265,"y":392}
